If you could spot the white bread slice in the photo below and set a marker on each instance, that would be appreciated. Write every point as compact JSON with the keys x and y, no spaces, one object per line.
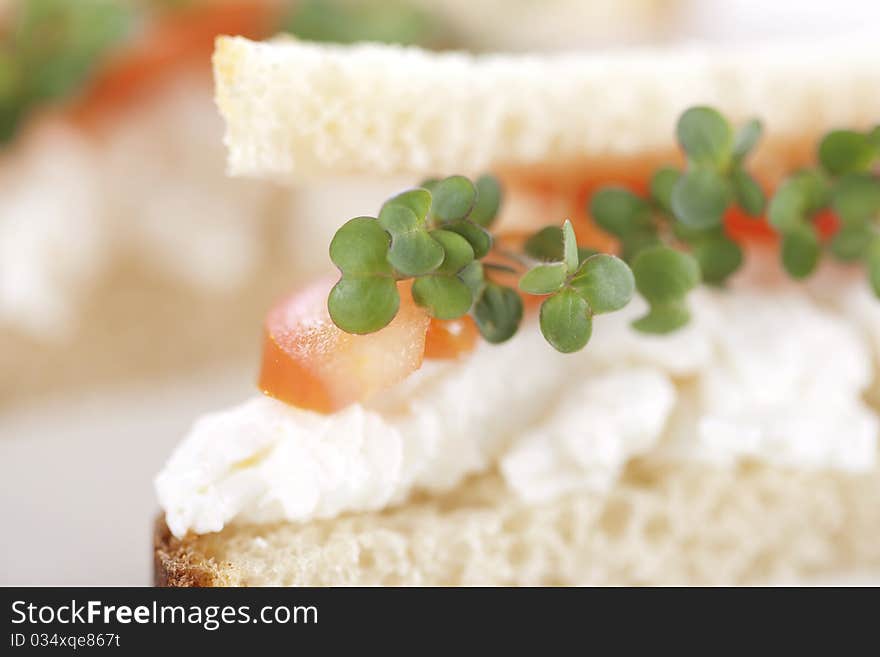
{"x":297,"y":110}
{"x":671,"y":525}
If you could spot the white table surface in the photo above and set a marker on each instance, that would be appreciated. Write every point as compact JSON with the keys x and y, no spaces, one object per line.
{"x":76,"y":476}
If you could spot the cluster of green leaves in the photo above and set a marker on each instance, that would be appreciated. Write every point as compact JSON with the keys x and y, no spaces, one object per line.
{"x":671,"y":239}
{"x":51,"y":47}
{"x":675,"y":237}
{"x":845,"y":183}
{"x":437,"y":236}
{"x":579,"y":285}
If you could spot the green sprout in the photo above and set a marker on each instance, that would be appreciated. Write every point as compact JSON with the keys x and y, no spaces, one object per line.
{"x":845,"y":183}
{"x":437,"y":236}
{"x":52,"y":47}
{"x":578,"y":289}
{"x":663,"y":277}
{"x":715,"y":176}
{"x":679,"y":225}
{"x":670,"y":240}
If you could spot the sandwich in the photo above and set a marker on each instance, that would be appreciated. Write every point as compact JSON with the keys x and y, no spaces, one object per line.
{"x":96,"y":97}
{"x":642,"y":349}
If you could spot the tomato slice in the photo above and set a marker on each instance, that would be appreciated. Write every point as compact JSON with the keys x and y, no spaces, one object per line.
{"x":449,"y":339}
{"x":311,"y":363}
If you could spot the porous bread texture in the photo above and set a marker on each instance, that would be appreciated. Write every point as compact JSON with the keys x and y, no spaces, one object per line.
{"x":683,"y":524}
{"x":298,"y":110}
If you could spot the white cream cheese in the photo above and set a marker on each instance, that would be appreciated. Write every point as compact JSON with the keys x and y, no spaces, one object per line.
{"x":760,"y":374}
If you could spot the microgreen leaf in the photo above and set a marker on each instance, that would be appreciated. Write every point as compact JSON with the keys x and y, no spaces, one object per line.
{"x":546,"y":244}
{"x":797,"y":199}
{"x":846,"y":151}
{"x":544,"y":279}
{"x":452,"y":198}
{"x":498,"y":312}
{"x":418,"y":200}
{"x":815,"y":189}
{"x":748,"y":192}
{"x":398,"y":218}
{"x":363,"y":304}
{"x":662,"y":319}
{"x":856,"y":198}
{"x":565,"y":321}
{"x":800,"y":251}
{"x":851,"y":242}
{"x":664,"y":275}
{"x":634,"y":243}
{"x":786,"y":209}
{"x":444,"y":297}
{"x":718,"y":258}
{"x":472,"y":276}
{"x":412,"y":251}
{"x":605,"y":282}
{"x":619,"y":211}
{"x":569,"y":247}
{"x":700,"y":198}
{"x":477,"y":237}
{"x":705,"y":136}
{"x":488,"y":201}
{"x":662,"y":183}
{"x":443,"y":294}
{"x":429,"y":184}
{"x":746,"y":138}
{"x":458,"y":253}
{"x":359,"y":248}
{"x":689,"y":235}
{"x":12,"y":105}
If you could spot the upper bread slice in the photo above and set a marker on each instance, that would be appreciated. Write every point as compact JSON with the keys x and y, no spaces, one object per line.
{"x":659,"y":525}
{"x":298,"y":110}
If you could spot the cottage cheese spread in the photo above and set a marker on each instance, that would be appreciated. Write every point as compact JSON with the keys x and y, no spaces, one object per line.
{"x":765,"y":374}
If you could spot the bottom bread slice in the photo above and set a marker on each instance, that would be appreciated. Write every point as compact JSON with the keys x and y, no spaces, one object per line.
{"x":659,"y":525}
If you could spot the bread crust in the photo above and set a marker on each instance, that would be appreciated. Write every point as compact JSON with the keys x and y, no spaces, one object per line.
{"x":179,"y":563}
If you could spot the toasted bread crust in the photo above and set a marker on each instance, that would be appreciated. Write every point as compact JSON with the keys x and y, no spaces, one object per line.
{"x":178,"y":563}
